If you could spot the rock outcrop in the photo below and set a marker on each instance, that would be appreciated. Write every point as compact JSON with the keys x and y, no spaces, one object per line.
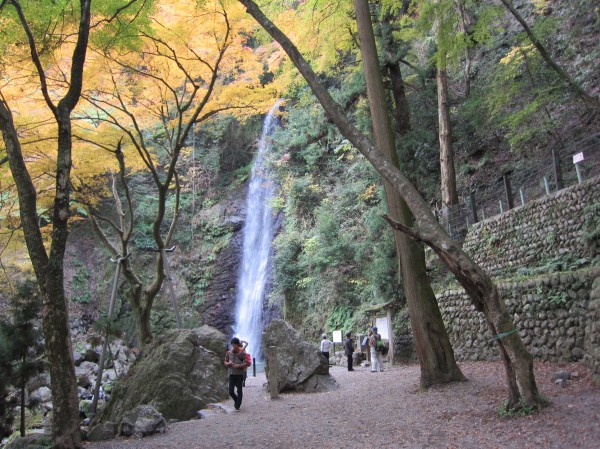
{"x":142,"y":421}
{"x":300,"y":366}
{"x":178,"y":375}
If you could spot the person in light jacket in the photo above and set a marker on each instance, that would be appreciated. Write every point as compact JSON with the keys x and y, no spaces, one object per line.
{"x":326,"y":346}
{"x":376,"y":356}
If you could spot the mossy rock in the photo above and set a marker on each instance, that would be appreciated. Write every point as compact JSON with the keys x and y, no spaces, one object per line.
{"x":179,"y":374}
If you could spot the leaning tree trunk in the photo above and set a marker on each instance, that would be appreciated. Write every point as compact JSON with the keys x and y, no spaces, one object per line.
{"x":519,"y":363}
{"x":434,"y":350}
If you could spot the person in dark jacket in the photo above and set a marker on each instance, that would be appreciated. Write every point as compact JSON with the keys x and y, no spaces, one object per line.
{"x":236,"y":361}
{"x":349,"y":349}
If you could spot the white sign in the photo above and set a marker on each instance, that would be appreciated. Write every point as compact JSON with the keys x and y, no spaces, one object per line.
{"x":577,"y":158}
{"x":337,"y":336}
{"x":382,"y":327}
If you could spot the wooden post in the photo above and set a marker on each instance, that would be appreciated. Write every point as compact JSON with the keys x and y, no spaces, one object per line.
{"x":273,"y":373}
{"x":508,"y":192}
{"x":391,"y":334}
{"x":473,"y":206}
{"x":558,"y":179}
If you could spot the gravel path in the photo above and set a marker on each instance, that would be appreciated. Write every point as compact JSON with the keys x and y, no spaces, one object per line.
{"x":386,"y":410}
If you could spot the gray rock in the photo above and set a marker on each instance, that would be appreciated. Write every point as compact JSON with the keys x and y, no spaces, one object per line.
{"x":179,"y":374}
{"x":91,"y":355}
{"x":36,"y":441}
{"x":77,"y":358}
{"x":84,"y":381}
{"x":561,"y":375}
{"x":300,"y":365}
{"x":142,"y":421}
{"x":103,"y":431}
{"x":39,"y":396}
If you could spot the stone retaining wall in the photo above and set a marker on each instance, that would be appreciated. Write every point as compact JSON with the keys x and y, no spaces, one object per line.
{"x":553,"y":226}
{"x":592,"y":332}
{"x":557,"y":314}
{"x":550,"y":312}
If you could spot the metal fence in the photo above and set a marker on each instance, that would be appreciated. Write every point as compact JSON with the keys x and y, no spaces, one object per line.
{"x":563,"y":168}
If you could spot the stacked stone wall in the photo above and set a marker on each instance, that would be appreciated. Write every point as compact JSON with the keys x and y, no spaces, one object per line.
{"x":544,"y":258}
{"x":550,"y":313}
{"x":551,"y":227}
{"x":592,"y":332}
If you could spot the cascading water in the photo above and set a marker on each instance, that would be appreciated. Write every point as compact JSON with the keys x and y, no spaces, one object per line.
{"x":256,"y":258}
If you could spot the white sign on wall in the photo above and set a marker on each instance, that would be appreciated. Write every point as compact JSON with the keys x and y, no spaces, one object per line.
{"x":337,"y":336}
{"x":382,"y":327}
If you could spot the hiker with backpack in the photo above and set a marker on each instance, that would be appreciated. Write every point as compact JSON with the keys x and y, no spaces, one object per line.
{"x":236,"y":361}
{"x":376,"y":348}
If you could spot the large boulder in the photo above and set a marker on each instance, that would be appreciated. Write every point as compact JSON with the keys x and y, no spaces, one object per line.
{"x":179,"y":374}
{"x":300,"y":366}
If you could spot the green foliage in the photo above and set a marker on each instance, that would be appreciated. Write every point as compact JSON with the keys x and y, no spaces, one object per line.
{"x":557,"y":264}
{"x":340,"y":318}
{"x":80,"y":283}
{"x":20,"y":348}
{"x":522,"y":409}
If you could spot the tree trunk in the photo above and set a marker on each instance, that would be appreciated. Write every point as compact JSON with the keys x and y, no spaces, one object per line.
{"x":48,"y":268}
{"x":22,"y":423}
{"x":402,"y":112}
{"x":435,"y":352}
{"x":477,"y":283}
{"x":464,"y":28}
{"x":449,"y":192}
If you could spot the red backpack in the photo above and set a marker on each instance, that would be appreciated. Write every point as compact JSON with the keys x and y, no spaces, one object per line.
{"x":249,"y":359}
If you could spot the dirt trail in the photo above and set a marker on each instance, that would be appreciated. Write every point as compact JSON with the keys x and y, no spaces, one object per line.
{"x":386,"y":410}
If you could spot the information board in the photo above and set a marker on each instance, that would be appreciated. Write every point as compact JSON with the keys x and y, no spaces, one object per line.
{"x":337,"y":336}
{"x":382,"y":327}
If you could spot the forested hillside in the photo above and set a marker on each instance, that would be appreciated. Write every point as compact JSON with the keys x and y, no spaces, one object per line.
{"x":130,"y":128}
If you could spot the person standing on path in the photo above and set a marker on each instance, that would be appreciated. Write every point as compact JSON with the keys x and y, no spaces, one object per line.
{"x":349,"y":349}
{"x":325,"y":346}
{"x":236,"y":362}
{"x":376,"y":356}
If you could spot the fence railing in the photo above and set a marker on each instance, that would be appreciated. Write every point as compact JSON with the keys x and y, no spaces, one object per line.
{"x":563,"y":168}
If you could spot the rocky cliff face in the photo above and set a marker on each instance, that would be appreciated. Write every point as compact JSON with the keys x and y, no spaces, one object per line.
{"x":219,"y":309}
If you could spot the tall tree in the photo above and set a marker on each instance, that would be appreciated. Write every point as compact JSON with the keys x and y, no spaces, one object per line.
{"x":48,"y":267}
{"x":448,"y":174}
{"x":433,"y":346}
{"x":181,"y":76}
{"x":58,"y":27}
{"x":518,"y":362}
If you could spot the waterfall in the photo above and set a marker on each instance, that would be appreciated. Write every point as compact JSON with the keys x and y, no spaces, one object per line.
{"x":256,"y":257}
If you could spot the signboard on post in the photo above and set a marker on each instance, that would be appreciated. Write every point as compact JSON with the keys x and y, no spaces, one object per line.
{"x":337,"y":336}
{"x":382,"y":327}
{"x":577,"y":158}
